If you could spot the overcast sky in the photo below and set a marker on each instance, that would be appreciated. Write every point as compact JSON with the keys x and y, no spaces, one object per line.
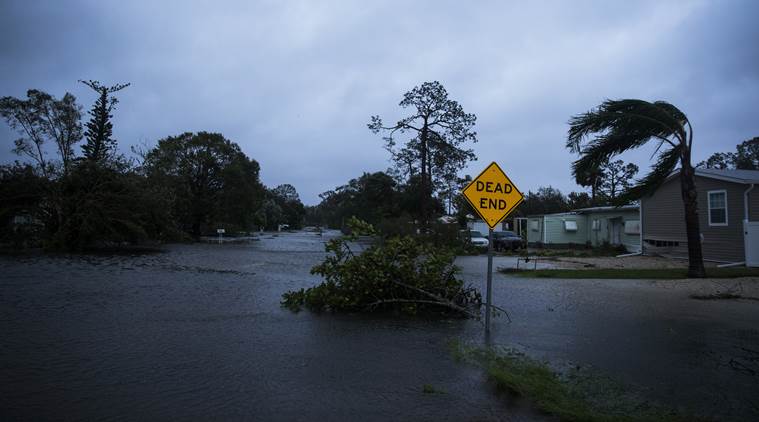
{"x":295,"y":82}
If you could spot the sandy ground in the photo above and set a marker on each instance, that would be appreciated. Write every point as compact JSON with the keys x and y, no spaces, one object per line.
{"x":625,"y":262}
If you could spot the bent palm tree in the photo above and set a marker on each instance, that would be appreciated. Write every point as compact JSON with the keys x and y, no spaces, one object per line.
{"x":621,"y":125}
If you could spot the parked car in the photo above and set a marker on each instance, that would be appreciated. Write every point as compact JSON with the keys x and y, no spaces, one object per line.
{"x":506,"y":240}
{"x":475,"y":238}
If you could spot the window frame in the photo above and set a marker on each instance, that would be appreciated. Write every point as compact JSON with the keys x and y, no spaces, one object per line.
{"x":631,"y":232}
{"x":709,"y":207}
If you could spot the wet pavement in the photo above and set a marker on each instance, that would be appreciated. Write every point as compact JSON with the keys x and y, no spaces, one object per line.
{"x":197,"y":333}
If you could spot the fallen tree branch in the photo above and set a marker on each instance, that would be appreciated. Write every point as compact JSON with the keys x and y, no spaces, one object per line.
{"x":429,"y":302}
{"x":438,"y":299}
{"x":502,"y":310}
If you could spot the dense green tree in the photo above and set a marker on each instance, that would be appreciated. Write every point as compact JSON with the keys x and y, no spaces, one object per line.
{"x":270,"y":214}
{"x":312,"y":216}
{"x":463,"y":207}
{"x":439,"y":127}
{"x":545,"y":200}
{"x":578,"y":200}
{"x":408,"y":201}
{"x":616,"y":178}
{"x":193,"y":183}
{"x":22,"y":194}
{"x":606,"y":181}
{"x":41,"y":118}
{"x":373,"y":197}
{"x":105,"y":206}
{"x":211,"y":180}
{"x":745,"y":157}
{"x":622,"y":125}
{"x":591,"y":178}
{"x":292,"y":210}
{"x":719,"y":160}
{"x":286,"y":192}
{"x":100,"y":146}
{"x":241,"y":195}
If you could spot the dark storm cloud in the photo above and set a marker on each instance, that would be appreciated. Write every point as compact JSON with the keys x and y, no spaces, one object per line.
{"x":294,"y":83}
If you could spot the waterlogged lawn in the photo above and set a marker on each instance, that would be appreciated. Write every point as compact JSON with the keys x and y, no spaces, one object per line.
{"x":577,"y":395}
{"x":629,"y":273}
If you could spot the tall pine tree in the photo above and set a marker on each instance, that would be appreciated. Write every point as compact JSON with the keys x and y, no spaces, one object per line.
{"x":99,"y":129}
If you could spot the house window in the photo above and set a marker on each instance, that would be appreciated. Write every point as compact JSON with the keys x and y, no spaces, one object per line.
{"x":596,"y":224}
{"x":570,"y":226}
{"x":717,"y":207}
{"x":632,"y":227}
{"x":534,"y":225}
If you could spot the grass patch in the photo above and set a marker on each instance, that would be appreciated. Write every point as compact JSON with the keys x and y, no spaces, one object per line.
{"x":573,"y":396}
{"x":568,"y":252}
{"x":631,"y":273}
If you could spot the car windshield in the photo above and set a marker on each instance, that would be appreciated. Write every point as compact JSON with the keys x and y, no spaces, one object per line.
{"x":475,"y":233}
{"x":510,"y":234}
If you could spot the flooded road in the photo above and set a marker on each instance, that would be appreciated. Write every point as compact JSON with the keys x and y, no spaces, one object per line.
{"x":197,"y":333}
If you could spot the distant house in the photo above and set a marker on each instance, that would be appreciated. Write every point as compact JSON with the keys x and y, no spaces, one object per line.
{"x":725,"y":199}
{"x":595,"y":226}
{"x":481,"y":226}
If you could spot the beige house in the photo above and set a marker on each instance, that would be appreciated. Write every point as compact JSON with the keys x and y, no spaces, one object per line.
{"x":728,"y":203}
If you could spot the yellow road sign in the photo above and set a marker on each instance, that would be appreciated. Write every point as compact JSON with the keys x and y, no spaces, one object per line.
{"x":493,"y":195}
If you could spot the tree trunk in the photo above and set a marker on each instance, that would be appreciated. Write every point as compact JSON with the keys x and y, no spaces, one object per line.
{"x":423,"y":197}
{"x":690,"y":202}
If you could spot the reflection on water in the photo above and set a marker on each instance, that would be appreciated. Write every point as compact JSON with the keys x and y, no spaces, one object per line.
{"x":197,"y":333}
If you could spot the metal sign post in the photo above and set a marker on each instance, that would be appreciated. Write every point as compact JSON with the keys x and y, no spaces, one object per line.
{"x":488,"y":294}
{"x":494,"y":196}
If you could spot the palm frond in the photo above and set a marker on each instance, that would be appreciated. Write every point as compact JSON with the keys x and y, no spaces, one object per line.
{"x":603,"y":148}
{"x":676,"y":115}
{"x":619,"y":126}
{"x":664,"y":167}
{"x":659,"y":120}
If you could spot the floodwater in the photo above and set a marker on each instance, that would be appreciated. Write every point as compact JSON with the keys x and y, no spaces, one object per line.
{"x":197,"y":333}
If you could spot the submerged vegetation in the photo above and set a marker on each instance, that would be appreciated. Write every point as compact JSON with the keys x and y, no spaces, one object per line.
{"x":403,"y":273}
{"x":577,"y":394}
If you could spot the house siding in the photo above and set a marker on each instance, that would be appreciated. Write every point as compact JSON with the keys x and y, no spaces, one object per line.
{"x":556,"y":234}
{"x":534,"y":236}
{"x":603,"y":235}
{"x":753,"y":203}
{"x":664,"y":220}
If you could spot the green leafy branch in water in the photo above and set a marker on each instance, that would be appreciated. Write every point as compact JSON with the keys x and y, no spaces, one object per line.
{"x":401,"y":274}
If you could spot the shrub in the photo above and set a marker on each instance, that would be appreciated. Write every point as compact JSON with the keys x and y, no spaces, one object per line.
{"x":403,"y":274}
